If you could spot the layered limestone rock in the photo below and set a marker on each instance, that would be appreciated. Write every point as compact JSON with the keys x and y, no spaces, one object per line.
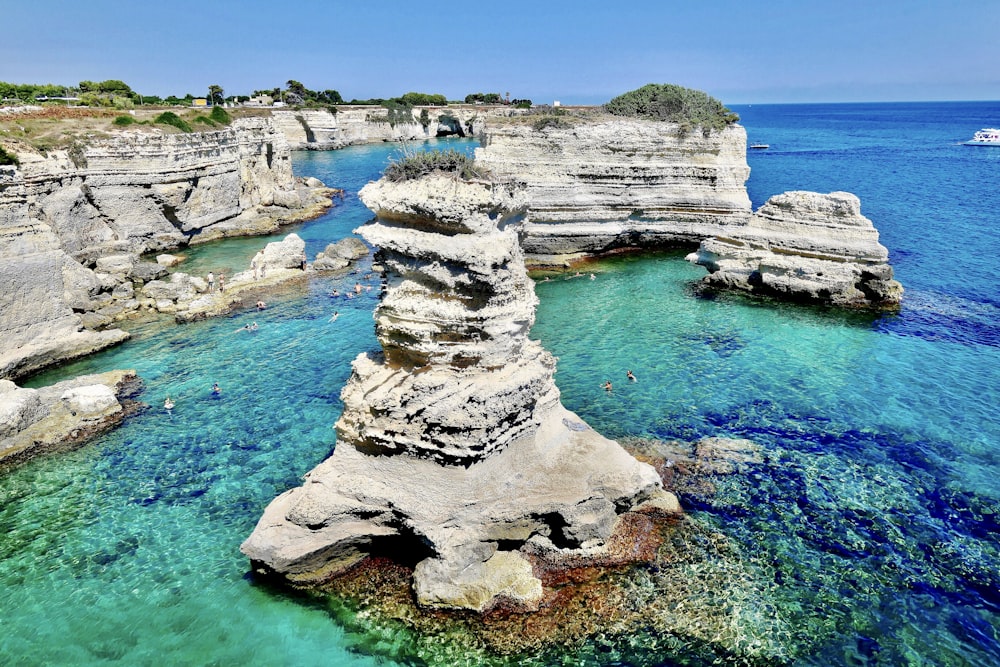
{"x":74,"y":222}
{"x":453,"y":447}
{"x":320,"y":129}
{"x":66,"y":413}
{"x":805,"y":246}
{"x":40,"y":284}
{"x":600,"y":182}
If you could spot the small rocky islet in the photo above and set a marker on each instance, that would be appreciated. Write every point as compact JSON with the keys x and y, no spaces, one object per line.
{"x":459,"y":401}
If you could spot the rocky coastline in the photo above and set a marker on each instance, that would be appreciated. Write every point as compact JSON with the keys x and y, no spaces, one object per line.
{"x":599,"y":184}
{"x":322,"y":129}
{"x":78,"y":225}
{"x":461,"y":407}
{"x":63,"y":415}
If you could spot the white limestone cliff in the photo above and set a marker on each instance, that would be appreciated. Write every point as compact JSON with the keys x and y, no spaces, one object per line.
{"x":453,"y":447}
{"x":320,"y":129}
{"x":74,"y":222}
{"x":599,"y":183}
{"x":805,"y":246}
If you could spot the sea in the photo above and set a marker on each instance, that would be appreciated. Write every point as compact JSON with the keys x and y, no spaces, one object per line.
{"x":871,"y":517}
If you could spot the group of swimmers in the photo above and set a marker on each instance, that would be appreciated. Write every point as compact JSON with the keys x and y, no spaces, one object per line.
{"x":169,"y":403}
{"x":628,"y":374}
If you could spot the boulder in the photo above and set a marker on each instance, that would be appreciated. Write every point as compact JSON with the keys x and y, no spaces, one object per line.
{"x":169,"y":260}
{"x":146,"y":271}
{"x":289,"y":253}
{"x":91,"y":401}
{"x":339,"y":255}
{"x":120,"y":264}
{"x":18,"y":408}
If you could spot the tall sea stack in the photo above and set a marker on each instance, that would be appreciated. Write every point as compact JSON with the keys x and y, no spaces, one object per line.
{"x":454,"y":451}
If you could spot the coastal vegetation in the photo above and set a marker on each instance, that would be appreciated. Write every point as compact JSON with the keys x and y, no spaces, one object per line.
{"x":7,"y":159}
{"x":414,"y":165}
{"x":687,"y":107}
{"x":554,"y":120}
{"x":172,"y":119}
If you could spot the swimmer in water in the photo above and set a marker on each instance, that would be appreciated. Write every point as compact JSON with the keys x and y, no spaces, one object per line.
{"x":168,"y":404}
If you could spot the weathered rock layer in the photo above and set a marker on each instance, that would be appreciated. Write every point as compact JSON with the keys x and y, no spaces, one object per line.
{"x":453,"y":447}
{"x":63,"y":414}
{"x":805,"y":246}
{"x":603,"y":182}
{"x":73,"y":224}
{"x":320,"y":129}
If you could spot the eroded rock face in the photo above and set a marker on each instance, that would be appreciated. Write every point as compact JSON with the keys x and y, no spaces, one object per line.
{"x":805,"y":246}
{"x":63,"y":414}
{"x":453,"y":446}
{"x":319,"y":129}
{"x":604,"y":182}
{"x":73,"y":224}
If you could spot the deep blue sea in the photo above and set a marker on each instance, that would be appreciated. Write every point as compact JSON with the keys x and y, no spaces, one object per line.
{"x":873,"y":520}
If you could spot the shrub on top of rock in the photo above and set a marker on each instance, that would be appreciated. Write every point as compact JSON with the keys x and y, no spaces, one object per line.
{"x":8,"y":158}
{"x":451,"y":161}
{"x":172,"y":119}
{"x":687,"y":107}
{"x":220,"y":115}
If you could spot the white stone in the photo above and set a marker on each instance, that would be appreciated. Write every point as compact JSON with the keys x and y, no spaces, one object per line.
{"x":92,"y":400}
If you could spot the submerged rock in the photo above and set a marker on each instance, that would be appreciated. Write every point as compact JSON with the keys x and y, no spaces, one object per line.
{"x":453,"y":446}
{"x":805,"y":246}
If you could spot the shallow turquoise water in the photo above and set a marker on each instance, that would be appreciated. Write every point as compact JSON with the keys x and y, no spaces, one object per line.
{"x":875,"y":513}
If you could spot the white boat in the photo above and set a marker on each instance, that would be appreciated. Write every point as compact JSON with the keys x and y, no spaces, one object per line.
{"x":985,"y":137}
{"x":759,"y":147}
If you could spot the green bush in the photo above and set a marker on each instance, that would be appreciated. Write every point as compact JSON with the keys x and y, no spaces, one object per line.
{"x":685,"y":106}
{"x":550,"y":121}
{"x":220,"y":116}
{"x":205,"y":120}
{"x":123,"y":121}
{"x":420,"y":164}
{"x":170,"y":118}
{"x":8,"y":158}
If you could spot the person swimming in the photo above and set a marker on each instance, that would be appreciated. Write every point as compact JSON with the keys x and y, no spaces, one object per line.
{"x":168,"y":404}
{"x":631,"y":377}
{"x":216,"y":389}
{"x":607,"y":386}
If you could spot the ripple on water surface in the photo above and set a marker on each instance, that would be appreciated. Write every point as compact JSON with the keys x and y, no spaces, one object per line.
{"x":867,"y":533}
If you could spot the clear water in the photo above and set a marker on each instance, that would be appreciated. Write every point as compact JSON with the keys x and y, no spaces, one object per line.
{"x":875,"y":513}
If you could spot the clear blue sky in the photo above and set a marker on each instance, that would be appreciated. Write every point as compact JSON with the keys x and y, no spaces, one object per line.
{"x":576,"y":51}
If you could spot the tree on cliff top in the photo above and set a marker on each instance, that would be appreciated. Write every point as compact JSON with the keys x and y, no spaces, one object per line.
{"x":664,"y":101}
{"x":216,"y":95}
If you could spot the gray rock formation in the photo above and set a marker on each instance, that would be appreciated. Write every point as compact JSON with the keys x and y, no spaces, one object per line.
{"x":74,"y":222}
{"x":453,"y":446}
{"x":602,"y":182}
{"x":63,"y":414}
{"x":340,"y":255}
{"x":805,"y":246}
